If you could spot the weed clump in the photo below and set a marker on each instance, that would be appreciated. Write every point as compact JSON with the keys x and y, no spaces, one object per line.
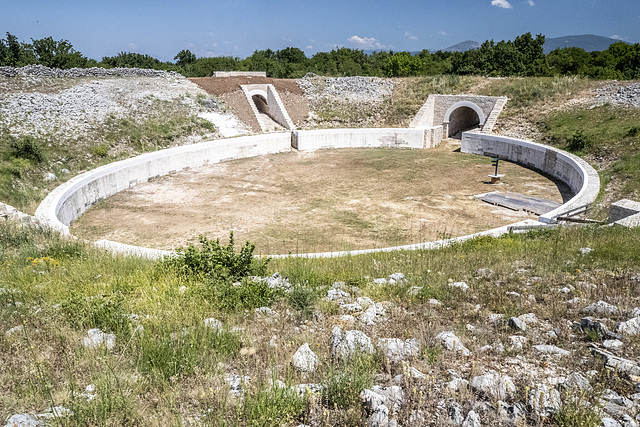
{"x":212,"y":260}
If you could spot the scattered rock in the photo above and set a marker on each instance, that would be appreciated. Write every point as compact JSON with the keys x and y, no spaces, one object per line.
{"x":397,"y":350}
{"x":214,"y":324}
{"x":336,"y":294}
{"x":236,"y":384}
{"x":346,"y":344}
{"x":460,"y":285}
{"x":22,"y":420}
{"x":451,"y":342}
{"x":601,"y":308}
{"x":576,"y":381}
{"x":266,"y":311}
{"x":585,"y":251}
{"x":472,"y":420}
{"x":630,"y":327}
{"x":397,"y":278}
{"x":517,"y":324}
{"x":304,"y":359}
{"x":544,"y":400}
{"x":493,"y":385}
{"x":96,"y":338}
{"x":618,"y":363}
{"x":551,"y":349}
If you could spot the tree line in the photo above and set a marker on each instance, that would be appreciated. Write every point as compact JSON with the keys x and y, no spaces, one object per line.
{"x":522,"y":56}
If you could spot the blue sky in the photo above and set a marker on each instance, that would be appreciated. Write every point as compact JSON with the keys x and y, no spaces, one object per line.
{"x":161,"y":28}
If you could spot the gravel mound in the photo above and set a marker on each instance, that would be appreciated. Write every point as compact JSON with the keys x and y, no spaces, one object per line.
{"x":42,"y":71}
{"x":618,"y":94}
{"x":352,"y":89}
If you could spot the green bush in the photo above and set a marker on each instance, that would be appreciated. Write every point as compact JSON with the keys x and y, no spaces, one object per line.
{"x":28,"y":148}
{"x":302,"y":299}
{"x":213,"y":260}
{"x":344,"y":384}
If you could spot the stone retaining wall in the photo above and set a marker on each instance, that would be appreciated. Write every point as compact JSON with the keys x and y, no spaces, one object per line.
{"x":572,"y":170}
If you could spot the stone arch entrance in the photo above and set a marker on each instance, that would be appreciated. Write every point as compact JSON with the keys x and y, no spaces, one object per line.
{"x":462,"y":116}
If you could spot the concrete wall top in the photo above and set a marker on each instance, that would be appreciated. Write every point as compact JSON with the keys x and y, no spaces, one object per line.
{"x":70,"y":200}
{"x":568,"y":168}
{"x":358,"y":138}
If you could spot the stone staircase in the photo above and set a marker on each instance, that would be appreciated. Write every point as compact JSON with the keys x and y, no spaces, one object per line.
{"x":493,"y":116}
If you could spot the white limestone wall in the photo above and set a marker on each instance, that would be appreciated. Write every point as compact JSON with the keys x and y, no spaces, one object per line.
{"x":358,"y":138}
{"x":70,"y":200}
{"x":276,"y":107}
{"x":572,"y":170}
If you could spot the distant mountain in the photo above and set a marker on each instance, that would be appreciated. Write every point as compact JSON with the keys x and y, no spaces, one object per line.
{"x":463,"y":46}
{"x":588,"y":42}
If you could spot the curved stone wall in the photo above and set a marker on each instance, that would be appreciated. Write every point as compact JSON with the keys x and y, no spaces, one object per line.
{"x":572,"y":170}
{"x":70,"y":200}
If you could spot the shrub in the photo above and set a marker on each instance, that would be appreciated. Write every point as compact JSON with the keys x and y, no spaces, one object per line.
{"x":27,"y":148}
{"x":343,"y":386}
{"x":213,"y":260}
{"x":302,"y":299}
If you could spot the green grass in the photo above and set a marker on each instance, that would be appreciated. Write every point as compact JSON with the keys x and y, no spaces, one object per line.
{"x":609,"y":135}
{"x":174,"y":368}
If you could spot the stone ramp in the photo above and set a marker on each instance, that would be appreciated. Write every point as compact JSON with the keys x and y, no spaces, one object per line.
{"x":493,"y":116}
{"x":519,"y":202}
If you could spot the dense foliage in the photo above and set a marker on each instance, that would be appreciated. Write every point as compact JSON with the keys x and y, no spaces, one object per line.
{"x":521,"y":57}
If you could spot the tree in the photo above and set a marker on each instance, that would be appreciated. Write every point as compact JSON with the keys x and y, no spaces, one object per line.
{"x":57,"y":54}
{"x":185,"y":57}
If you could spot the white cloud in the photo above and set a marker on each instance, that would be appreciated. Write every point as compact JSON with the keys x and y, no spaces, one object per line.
{"x":442,"y":33}
{"x":365,"y":42}
{"x":133,"y":46}
{"x":501,"y":3}
{"x":531,"y":3}
{"x":308,"y":47}
{"x":617,"y":37}
{"x":410,"y":36}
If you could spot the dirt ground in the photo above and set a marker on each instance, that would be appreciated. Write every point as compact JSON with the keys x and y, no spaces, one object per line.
{"x":316,"y":201}
{"x":228,"y":88}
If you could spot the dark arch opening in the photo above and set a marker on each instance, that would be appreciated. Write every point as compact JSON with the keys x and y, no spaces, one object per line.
{"x":261,"y":104}
{"x":462,"y":119}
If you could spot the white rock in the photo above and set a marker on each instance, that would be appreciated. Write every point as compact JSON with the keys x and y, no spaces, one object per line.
{"x":529,"y":318}
{"x":48,"y":177}
{"x":369,"y":316}
{"x":433,"y":301}
{"x":371,"y":400}
{"x":601,"y":308}
{"x":304,"y":359}
{"x":472,"y":420}
{"x":22,"y":420}
{"x":364,"y":302}
{"x":577,"y":381}
{"x":182,"y":289}
{"x":236,"y":384}
{"x":397,"y":350}
{"x":414,"y":291}
{"x":494,"y":385}
{"x":460,"y":285}
{"x":551,"y":349}
{"x":397,"y":278}
{"x":494,"y":317}
{"x":517,"y":342}
{"x":612,"y":344}
{"x":336,"y":294}
{"x":451,"y":342}
{"x":380,"y":418}
{"x":346,"y":344}
{"x":96,"y":338}
{"x":609,"y":422}
{"x":630,"y":327}
{"x":585,"y":251}
{"x":544,"y":400}
{"x":14,"y":330}
{"x":214,"y":324}
{"x":458,"y":384}
{"x":393,"y":397}
{"x":266,"y":311}
{"x":517,"y":324}
{"x":351,"y":308}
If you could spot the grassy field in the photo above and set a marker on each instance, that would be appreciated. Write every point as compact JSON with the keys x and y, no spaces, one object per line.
{"x":168,"y":368}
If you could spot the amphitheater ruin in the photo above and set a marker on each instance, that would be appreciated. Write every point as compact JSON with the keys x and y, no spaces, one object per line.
{"x":469,"y":118}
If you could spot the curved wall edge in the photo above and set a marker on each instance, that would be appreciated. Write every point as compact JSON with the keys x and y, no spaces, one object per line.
{"x":568,"y":168}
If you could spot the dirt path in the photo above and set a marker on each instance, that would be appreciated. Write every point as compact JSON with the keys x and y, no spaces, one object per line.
{"x":315,"y":201}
